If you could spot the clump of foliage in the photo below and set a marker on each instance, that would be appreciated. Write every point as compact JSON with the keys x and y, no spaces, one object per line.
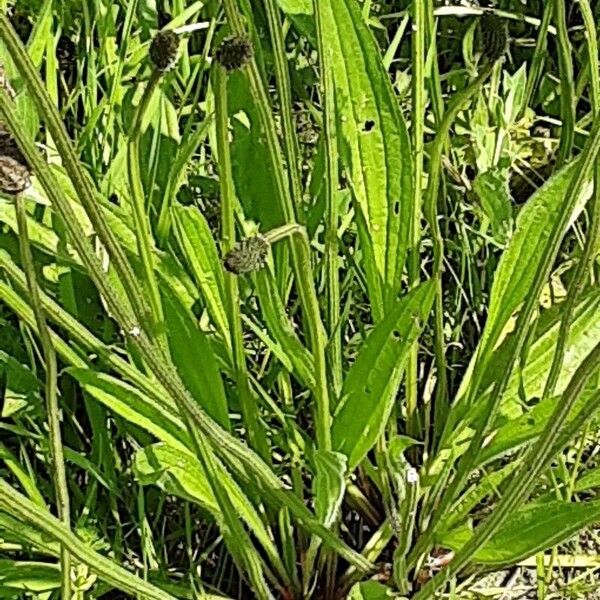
{"x":298,"y":298}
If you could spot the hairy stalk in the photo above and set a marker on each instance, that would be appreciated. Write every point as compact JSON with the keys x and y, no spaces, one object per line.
{"x":284,"y":92}
{"x":301,"y":249}
{"x":79,"y":178}
{"x":248,"y":402}
{"x":593,"y":236}
{"x":539,"y":56}
{"x":243,"y":461}
{"x":141,"y":223}
{"x":20,"y":507}
{"x":567,"y":85}
{"x":521,"y":332}
{"x":431,"y":212}
{"x":61,"y":489}
{"x":419,"y":26}
{"x":332,"y":217}
{"x":536,"y":460}
{"x":303,"y":271}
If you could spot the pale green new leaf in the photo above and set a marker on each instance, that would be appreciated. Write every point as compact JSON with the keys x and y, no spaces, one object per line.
{"x":329,"y":484}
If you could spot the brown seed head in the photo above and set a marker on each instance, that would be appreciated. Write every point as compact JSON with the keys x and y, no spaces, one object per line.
{"x":164,"y":50}
{"x":248,"y":255}
{"x":234,"y":53}
{"x":14,"y":177}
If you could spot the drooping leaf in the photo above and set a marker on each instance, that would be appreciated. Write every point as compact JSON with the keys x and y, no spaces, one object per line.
{"x":374,"y":144}
{"x":134,"y":406}
{"x":370,"y":388}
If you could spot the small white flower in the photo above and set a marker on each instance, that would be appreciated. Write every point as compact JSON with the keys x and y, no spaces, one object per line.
{"x":412,"y":476}
{"x":135,"y":331}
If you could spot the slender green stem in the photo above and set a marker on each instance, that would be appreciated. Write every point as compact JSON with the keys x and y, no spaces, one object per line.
{"x":593,"y":236}
{"x":539,"y":56}
{"x":18,"y":506}
{"x":301,"y":249}
{"x":431,"y":211}
{"x":418,"y":35}
{"x":284,"y":92}
{"x":567,"y":85}
{"x":61,"y":489}
{"x":141,"y":223}
{"x":81,"y":181}
{"x":303,"y":271}
{"x":332,"y":218}
{"x":255,"y":432}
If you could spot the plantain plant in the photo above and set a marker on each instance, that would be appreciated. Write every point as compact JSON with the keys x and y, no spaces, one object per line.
{"x":236,"y":280}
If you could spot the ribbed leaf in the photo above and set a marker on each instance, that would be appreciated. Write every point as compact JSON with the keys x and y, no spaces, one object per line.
{"x":200,"y":253}
{"x":533,"y":528}
{"x":374,"y":144}
{"x":370,"y":388}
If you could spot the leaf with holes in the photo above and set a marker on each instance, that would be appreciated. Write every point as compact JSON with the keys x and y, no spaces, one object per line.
{"x":374,"y":145}
{"x":370,"y":388}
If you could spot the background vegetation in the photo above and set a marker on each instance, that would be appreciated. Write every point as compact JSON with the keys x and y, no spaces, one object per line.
{"x":299,"y":299}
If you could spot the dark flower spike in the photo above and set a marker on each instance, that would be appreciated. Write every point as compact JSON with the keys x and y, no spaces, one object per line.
{"x":14,"y":177}
{"x":247,"y":256}
{"x":494,"y":36}
{"x":164,"y":50}
{"x":234,"y":53}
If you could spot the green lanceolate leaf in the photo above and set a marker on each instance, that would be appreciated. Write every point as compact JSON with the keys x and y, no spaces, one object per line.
{"x":200,"y":253}
{"x":370,"y":590}
{"x":134,"y":406}
{"x":370,"y":388}
{"x":534,"y":528}
{"x":180,"y":473}
{"x":524,"y":256}
{"x":374,"y":145}
{"x":193,"y":356}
